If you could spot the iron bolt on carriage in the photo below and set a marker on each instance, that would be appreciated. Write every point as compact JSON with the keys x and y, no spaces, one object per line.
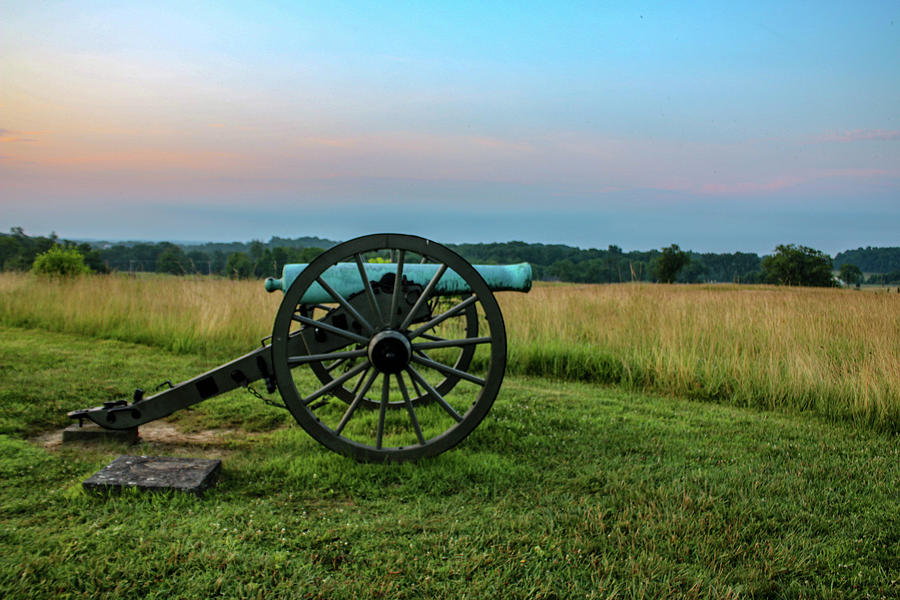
{"x":404,"y":340}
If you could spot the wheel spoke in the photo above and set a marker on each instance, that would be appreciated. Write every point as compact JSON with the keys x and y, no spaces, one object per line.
{"x":451,"y":343}
{"x":335,"y":365}
{"x":447,"y":369}
{"x":422,"y":353}
{"x":343,"y":302}
{"x":336,"y":382}
{"x":444,"y":316}
{"x":300,"y":360}
{"x":433,"y":338}
{"x":410,"y":409}
{"x":370,"y":293}
{"x":415,"y":387}
{"x":359,"y":383}
{"x":331,"y":329}
{"x":395,"y":297}
{"x":426,"y":293}
{"x":359,"y":396}
{"x":385,"y":398}
{"x":434,"y":394}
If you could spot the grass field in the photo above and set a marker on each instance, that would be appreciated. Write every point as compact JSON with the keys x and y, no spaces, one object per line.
{"x":567,"y":490}
{"x":834,"y":352}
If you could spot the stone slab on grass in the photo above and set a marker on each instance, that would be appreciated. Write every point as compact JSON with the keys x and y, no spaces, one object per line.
{"x":156,"y":474}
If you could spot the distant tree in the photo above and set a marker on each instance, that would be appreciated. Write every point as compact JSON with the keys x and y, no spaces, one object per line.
{"x":59,"y":261}
{"x":218,"y":261}
{"x":172,"y":260}
{"x":884,"y":278}
{"x":239,"y":265}
{"x":147,"y":254}
{"x":798,"y":265}
{"x":694,"y":272}
{"x":563,"y":270}
{"x":305,"y":255}
{"x":850,"y":274}
{"x":9,"y":248}
{"x":264,"y":265}
{"x":18,"y":251}
{"x":279,"y":258}
{"x":92,"y":258}
{"x":670,"y":261}
{"x":871,"y":260}
{"x":200,"y":262}
{"x":752,"y":277}
{"x":256,"y":250}
{"x":39,"y":245}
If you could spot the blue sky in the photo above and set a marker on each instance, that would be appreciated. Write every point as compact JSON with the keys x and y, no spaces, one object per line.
{"x":716,"y":126}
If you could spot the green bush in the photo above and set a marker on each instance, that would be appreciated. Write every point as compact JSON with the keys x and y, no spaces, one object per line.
{"x":59,"y":261}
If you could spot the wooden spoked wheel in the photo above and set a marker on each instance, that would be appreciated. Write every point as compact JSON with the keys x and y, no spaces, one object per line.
{"x":403,"y":369}
{"x":465,"y":322}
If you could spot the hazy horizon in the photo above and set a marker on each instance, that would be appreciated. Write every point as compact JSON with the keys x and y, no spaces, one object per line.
{"x":267,"y":238}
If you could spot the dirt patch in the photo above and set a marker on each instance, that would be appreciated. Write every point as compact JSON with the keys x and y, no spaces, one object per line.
{"x":163,"y":436}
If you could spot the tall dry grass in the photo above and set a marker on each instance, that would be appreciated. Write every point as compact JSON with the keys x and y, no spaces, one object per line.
{"x":836,"y":352}
{"x":216,"y":317}
{"x":833,"y":351}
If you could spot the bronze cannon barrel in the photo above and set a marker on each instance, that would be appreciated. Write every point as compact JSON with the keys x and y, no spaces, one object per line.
{"x":345,"y":279}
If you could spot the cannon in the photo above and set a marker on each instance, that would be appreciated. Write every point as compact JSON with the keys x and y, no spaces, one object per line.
{"x":403,"y":339}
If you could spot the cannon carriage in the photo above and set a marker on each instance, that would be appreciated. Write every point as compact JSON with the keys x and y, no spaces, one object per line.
{"x":404,"y":340}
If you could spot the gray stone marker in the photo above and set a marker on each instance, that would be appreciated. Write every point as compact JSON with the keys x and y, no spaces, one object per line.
{"x":155,"y":473}
{"x":89,"y":432}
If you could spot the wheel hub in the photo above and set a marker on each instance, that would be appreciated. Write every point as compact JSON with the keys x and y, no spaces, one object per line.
{"x":389,"y":351}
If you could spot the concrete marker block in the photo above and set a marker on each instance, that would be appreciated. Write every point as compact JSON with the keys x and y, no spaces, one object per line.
{"x":155,"y":474}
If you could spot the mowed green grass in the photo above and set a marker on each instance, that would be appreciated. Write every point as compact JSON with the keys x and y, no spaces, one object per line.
{"x":567,"y":490}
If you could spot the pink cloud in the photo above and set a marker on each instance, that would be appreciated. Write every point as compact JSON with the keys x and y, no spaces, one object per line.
{"x":145,"y":159}
{"x":750,"y":187}
{"x":9,"y":136}
{"x":853,"y":173}
{"x":857,"y":135}
{"x":788,"y":181}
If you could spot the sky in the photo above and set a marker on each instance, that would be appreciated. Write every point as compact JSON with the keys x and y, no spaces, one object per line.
{"x":717,"y":126}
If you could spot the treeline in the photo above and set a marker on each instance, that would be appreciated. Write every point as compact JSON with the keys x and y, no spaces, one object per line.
{"x":238,"y":260}
{"x":613,"y":265}
{"x":551,"y":262}
{"x":891,"y":278}
{"x":18,"y":251}
{"x":871,"y":260}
